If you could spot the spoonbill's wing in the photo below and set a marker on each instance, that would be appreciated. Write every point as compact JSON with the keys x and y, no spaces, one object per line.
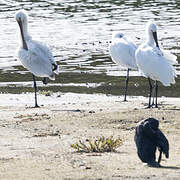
{"x":123,"y":53}
{"x":171,"y":58}
{"x":155,"y":66}
{"x":42,"y":50}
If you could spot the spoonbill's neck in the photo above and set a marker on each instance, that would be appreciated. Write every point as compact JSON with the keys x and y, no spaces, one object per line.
{"x":150,"y":40}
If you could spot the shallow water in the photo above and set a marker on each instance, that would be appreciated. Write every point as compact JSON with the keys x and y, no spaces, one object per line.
{"x":79,"y":32}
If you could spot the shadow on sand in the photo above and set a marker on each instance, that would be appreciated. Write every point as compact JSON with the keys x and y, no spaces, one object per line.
{"x":170,"y":167}
{"x":171,"y":109}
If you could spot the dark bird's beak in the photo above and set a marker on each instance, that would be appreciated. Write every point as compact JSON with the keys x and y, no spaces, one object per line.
{"x":155,"y":38}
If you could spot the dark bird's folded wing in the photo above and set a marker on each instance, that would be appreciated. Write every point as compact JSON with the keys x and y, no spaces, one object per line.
{"x":162,"y":143}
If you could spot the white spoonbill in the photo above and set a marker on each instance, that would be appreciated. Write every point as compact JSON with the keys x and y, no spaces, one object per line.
{"x":155,"y":63}
{"x":34,"y":56}
{"x":122,"y":52}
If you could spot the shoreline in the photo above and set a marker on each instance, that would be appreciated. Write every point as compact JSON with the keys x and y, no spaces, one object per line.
{"x":55,"y":99}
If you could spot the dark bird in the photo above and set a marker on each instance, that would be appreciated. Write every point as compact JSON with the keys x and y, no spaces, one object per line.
{"x":148,"y":137}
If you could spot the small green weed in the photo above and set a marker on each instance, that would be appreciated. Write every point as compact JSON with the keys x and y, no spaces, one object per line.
{"x":46,"y":93}
{"x":101,"y":144}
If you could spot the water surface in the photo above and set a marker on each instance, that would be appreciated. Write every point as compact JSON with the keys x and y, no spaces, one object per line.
{"x":78,"y":33}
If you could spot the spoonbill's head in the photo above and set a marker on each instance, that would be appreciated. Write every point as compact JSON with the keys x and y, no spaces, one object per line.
{"x":151,"y":27}
{"x":117,"y":35}
{"x":21,"y":17}
{"x":152,"y":30}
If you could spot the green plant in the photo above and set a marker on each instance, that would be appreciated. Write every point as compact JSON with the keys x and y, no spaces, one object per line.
{"x":46,"y":93}
{"x":101,"y":144}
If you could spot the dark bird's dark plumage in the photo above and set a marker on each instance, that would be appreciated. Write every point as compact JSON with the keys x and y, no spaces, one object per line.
{"x":148,"y":137}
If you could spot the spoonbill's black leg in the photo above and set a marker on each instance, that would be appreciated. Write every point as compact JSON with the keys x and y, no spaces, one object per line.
{"x":127,"y":79}
{"x":153,"y":95}
{"x":156,"y":92}
{"x":44,"y":80}
{"x":35,"y":91}
{"x":54,"y":67}
{"x":150,"y":92}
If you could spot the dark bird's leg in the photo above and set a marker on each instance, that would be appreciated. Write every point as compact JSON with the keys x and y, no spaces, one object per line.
{"x":150,"y":92}
{"x":160,"y":156}
{"x":127,"y":79}
{"x":156,"y":92}
{"x":153,"y":164}
{"x":44,"y":80}
{"x":35,"y":91}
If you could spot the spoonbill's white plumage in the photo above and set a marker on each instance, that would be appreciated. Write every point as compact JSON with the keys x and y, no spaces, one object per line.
{"x":122,"y":52}
{"x":154,"y":63}
{"x":34,"y":56}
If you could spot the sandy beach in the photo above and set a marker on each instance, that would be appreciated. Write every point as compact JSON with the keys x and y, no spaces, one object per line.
{"x":35,"y":142}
